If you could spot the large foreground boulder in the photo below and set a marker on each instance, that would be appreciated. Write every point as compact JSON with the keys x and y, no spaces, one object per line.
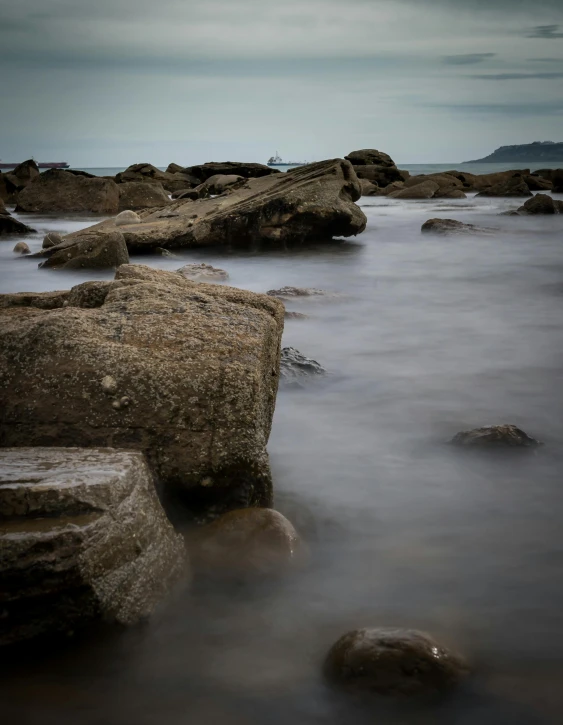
{"x":307,"y":204}
{"x":59,"y":191}
{"x":83,"y":537}
{"x":92,"y":251}
{"x":186,"y":372}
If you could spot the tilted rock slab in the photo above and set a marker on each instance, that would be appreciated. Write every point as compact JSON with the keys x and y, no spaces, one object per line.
{"x":82,"y":537}
{"x":186,"y":372}
{"x":309,"y":203}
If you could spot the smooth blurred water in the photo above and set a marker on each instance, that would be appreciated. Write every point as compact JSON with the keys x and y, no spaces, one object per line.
{"x":431,"y":335}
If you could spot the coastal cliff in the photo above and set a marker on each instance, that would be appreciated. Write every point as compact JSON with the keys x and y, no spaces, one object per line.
{"x":548,"y":151}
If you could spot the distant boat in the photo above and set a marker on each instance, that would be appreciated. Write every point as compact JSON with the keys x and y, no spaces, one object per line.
{"x":40,"y":164}
{"x":277,"y":161}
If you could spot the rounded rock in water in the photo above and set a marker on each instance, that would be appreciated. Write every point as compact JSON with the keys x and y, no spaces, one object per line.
{"x":22,"y":248}
{"x":52,"y":239}
{"x":127,"y":217}
{"x":495,"y":436}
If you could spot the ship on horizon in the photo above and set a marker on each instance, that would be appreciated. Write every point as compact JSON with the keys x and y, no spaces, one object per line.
{"x":277,"y":161}
{"x":40,"y":165}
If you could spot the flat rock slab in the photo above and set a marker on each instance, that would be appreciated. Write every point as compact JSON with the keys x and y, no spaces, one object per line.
{"x":308,"y":204}
{"x":83,"y":537}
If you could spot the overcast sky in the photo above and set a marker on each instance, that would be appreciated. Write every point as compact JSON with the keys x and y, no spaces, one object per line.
{"x":114,"y":82}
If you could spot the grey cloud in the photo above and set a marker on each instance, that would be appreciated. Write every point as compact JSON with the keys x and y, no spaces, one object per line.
{"x":547,"y":32}
{"x":467,"y":58}
{"x":516,"y":76}
{"x":545,"y":60}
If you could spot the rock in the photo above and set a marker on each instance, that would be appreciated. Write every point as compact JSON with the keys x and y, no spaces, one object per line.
{"x":3,"y":210}
{"x":199,"y":364}
{"x":22,"y":248}
{"x":213,"y":168}
{"x":127,"y":217}
{"x":541,"y":204}
{"x":202,"y":272}
{"x":83,"y":537}
{"x":165,"y":253}
{"x":251,"y":541}
{"x":393,"y":662}
{"x":174,"y":169}
{"x":426,"y":190}
{"x":184,"y":193}
{"x":390,"y":188}
{"x":555,"y":176}
{"x":307,"y":204}
{"x":51,"y":239}
{"x":200,"y":192}
{"x":495,"y":436}
{"x":91,"y":251}
{"x":453,"y":194}
{"x":515,"y":186}
{"x":294,"y":366}
{"x":446,"y":183}
{"x":536,"y":183}
{"x":24,"y":174}
{"x":369,"y":157}
{"x":8,"y":189}
{"x":380,"y":175}
{"x":219,"y":183}
{"x":58,"y":191}
{"x":289,"y":292}
{"x":292,"y":315}
{"x":10,"y":226}
{"x":481,"y":182}
{"x":368,"y":188}
{"x":138,"y":195}
{"x":39,"y":300}
{"x":448,"y":226}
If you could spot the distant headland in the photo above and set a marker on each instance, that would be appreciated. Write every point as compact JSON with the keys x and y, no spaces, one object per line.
{"x":548,"y":151}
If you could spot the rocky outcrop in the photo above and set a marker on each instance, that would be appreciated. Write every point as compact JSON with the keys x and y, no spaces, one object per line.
{"x":11,"y":227}
{"x":514,"y":186}
{"x":376,"y":167}
{"x":23,"y":175}
{"x":58,"y":191}
{"x":449,"y":226}
{"x":147,"y":173}
{"x":536,"y":183}
{"x":136,"y":195}
{"x":83,"y":537}
{"x":203,"y":272}
{"x":246,"y":542}
{"x":393,"y":662}
{"x":193,"y":371}
{"x":219,"y":183}
{"x":39,"y":300}
{"x":368,"y":188}
{"x":370,"y":157}
{"x":296,"y":367}
{"x":203,"y":172}
{"x":541,"y":204}
{"x":91,"y":251}
{"x":307,"y":204}
{"x":495,"y":436}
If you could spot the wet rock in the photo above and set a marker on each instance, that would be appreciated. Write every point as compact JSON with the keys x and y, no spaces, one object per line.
{"x":127,"y":217}
{"x":10,"y":226}
{"x":165,"y":253}
{"x":59,"y":191}
{"x":203,"y":272}
{"x":369,"y":157}
{"x":199,"y":364}
{"x":8,"y":189}
{"x":448,"y":226}
{"x":393,"y":662}
{"x":294,"y":366}
{"x":22,"y":248}
{"x":541,"y":204}
{"x":91,"y":251}
{"x":251,"y":541}
{"x":425,"y":190}
{"x":495,"y":436}
{"x":292,"y":315}
{"x":390,"y":188}
{"x":83,"y":537}
{"x":139,"y":195}
{"x":309,"y":204}
{"x":536,"y":183}
{"x":482,"y":182}
{"x":3,"y":210}
{"x":515,"y":186}
{"x":289,"y":292}
{"x":51,"y":239}
{"x":446,"y":183}
{"x":213,"y":168}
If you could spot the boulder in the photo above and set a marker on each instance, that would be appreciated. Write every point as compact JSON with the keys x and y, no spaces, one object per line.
{"x":393,"y":662}
{"x":426,"y":190}
{"x":448,"y":226}
{"x":195,"y":371}
{"x":83,"y":537}
{"x":203,"y":273}
{"x":495,"y":436}
{"x":58,"y":191}
{"x":295,"y":367}
{"x":293,"y":315}
{"x":24,"y":174}
{"x":368,"y":188}
{"x":22,"y":248}
{"x":221,"y":182}
{"x":380,"y":175}
{"x":289,"y":292}
{"x":174,"y":169}
{"x":452,"y":194}
{"x":541,"y":204}
{"x":51,"y":239}
{"x":242,"y":542}
{"x":8,"y":189}
{"x":10,"y":226}
{"x":369,"y":157}
{"x":147,"y":173}
{"x":481,"y":182}
{"x":138,"y":195}
{"x":445,"y":182}
{"x":514,"y":186}
{"x":228,"y":168}
{"x":3,"y":210}
{"x":536,"y":183}
{"x":124,"y":218}
{"x":390,"y":188}
{"x":307,"y":204}
{"x":91,"y":251}
{"x":552,"y":175}
{"x":39,"y":300}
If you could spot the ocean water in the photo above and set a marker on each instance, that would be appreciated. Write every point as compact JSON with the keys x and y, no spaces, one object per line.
{"x":429,"y":336}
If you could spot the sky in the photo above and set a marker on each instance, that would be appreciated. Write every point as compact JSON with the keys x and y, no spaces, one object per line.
{"x":103,"y":83}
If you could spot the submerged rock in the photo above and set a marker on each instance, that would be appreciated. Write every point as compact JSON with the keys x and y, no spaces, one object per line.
{"x":202,"y":272}
{"x":92,"y":251}
{"x":495,"y":436}
{"x":541,"y":204}
{"x":59,"y":191}
{"x":22,"y":248}
{"x":393,"y":662}
{"x":294,"y":366}
{"x":448,"y":226}
{"x":289,"y":292}
{"x":83,"y":537}
{"x":292,"y":315}
{"x":251,"y":541}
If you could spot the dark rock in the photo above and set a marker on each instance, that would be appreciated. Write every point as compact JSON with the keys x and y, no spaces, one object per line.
{"x":294,"y":366}
{"x":448,"y":226}
{"x":138,"y":195}
{"x":393,"y":662}
{"x":515,"y":186}
{"x":199,"y":364}
{"x":368,"y":188}
{"x":10,"y":226}
{"x":174,"y":169}
{"x":221,"y":182}
{"x":85,"y":174}
{"x":24,"y":174}
{"x":8,"y":190}
{"x":83,"y":537}
{"x":91,"y":251}
{"x":369,"y":157}
{"x":390,"y":188}
{"x":495,"y":436}
{"x":452,"y":194}
{"x":58,"y":191}
{"x":213,"y":168}
{"x":203,"y":272}
{"x":289,"y":292}
{"x":251,"y":541}
{"x":292,"y":315}
{"x":425,"y":190}
{"x":51,"y":239}
{"x":308,"y":204}
{"x":536,"y":183}
{"x":22,"y":248}
{"x":541,"y":204}
{"x":380,"y":175}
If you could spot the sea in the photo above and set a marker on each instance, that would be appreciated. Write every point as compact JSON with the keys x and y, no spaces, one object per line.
{"x":424,"y":336}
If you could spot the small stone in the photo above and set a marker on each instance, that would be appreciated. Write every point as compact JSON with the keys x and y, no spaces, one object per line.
{"x":296,"y":292}
{"x":52,"y":239}
{"x":294,"y":366}
{"x":22,"y":248}
{"x":127,"y":217}
{"x":495,"y":436}
{"x":109,"y":385}
{"x":164,"y":252}
{"x":291,"y":315}
{"x":202,"y":272}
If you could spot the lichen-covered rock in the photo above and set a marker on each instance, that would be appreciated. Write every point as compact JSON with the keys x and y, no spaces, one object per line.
{"x":294,"y":366}
{"x":252,"y":541}
{"x":196,"y":369}
{"x":393,"y":662}
{"x":307,"y":204}
{"x":495,"y":436}
{"x":127,"y":217}
{"x":142,"y":195}
{"x":83,"y":537}
{"x":22,"y":248}
{"x":51,"y":239}
{"x":91,"y":251}
{"x":203,"y":272}
{"x":60,"y":191}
